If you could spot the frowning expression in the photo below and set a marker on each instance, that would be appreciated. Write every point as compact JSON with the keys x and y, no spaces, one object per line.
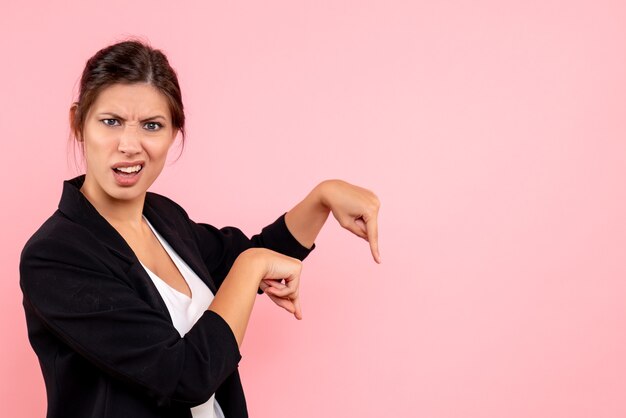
{"x":127,"y":134}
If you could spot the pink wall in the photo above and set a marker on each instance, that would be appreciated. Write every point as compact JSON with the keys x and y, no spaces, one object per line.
{"x":493,"y":132}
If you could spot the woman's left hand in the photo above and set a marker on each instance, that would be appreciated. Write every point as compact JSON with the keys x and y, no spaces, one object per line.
{"x":355,"y":208}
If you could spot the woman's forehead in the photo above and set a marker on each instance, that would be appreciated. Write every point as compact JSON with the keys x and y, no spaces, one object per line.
{"x":137,"y":99}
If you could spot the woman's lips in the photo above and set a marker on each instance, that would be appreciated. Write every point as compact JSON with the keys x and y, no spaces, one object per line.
{"x":126,"y":179}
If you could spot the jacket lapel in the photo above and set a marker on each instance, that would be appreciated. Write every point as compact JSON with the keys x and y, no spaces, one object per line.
{"x":182,"y":245}
{"x":75,"y":206}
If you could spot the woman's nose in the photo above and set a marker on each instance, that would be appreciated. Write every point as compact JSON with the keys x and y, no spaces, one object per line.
{"x":130,"y":139}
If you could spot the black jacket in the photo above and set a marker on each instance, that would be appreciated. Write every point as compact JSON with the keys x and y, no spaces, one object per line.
{"x":102,"y":333}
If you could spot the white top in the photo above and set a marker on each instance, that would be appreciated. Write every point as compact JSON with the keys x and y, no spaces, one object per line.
{"x":186,"y":311}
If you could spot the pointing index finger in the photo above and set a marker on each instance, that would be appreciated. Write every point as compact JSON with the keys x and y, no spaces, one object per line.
{"x":372,"y":237}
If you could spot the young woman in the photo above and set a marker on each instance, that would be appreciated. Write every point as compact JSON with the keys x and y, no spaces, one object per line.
{"x":133,"y":309}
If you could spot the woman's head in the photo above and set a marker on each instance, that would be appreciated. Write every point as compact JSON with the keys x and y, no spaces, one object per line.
{"x":127,"y":116}
{"x":126,"y":63}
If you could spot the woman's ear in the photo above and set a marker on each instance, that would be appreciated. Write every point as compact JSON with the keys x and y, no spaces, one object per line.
{"x":175,"y":133}
{"x":73,"y":110}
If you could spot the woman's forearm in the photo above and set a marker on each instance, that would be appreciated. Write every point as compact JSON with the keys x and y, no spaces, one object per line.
{"x":306,"y":219}
{"x":235,"y":298}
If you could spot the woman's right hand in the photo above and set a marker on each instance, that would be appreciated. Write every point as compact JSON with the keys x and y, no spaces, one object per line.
{"x":235,"y":297}
{"x":276,"y":268}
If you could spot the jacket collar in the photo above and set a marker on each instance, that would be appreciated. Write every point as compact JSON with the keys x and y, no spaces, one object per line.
{"x":77,"y":208}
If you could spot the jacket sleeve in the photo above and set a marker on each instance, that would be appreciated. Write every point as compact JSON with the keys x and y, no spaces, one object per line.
{"x":220,"y":247}
{"x":79,"y":296}
{"x":228,"y":242}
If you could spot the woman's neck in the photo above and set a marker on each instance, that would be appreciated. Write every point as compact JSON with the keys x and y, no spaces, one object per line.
{"x":126,"y":214}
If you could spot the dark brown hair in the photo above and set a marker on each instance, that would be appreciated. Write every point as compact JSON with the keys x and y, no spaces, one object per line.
{"x":128,"y":62}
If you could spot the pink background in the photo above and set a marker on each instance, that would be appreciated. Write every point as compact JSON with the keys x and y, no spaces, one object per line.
{"x":494,"y":133}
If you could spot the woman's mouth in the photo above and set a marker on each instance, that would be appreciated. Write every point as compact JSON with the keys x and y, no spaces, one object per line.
{"x":127,"y":176}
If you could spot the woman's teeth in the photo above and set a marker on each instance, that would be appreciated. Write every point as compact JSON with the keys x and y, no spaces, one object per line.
{"x":129,"y":170}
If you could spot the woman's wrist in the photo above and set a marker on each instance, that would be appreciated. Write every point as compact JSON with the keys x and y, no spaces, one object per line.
{"x":253,"y":263}
{"x":328,"y":190}
{"x":323,"y":193}
{"x":305,"y":220}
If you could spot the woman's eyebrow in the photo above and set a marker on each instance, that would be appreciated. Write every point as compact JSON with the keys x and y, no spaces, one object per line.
{"x":116,"y":116}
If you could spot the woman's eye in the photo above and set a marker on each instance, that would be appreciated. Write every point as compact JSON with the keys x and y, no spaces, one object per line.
{"x":110,"y":122}
{"x":153,"y":126}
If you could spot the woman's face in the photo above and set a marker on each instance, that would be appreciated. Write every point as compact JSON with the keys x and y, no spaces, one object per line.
{"x":127,"y":134}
